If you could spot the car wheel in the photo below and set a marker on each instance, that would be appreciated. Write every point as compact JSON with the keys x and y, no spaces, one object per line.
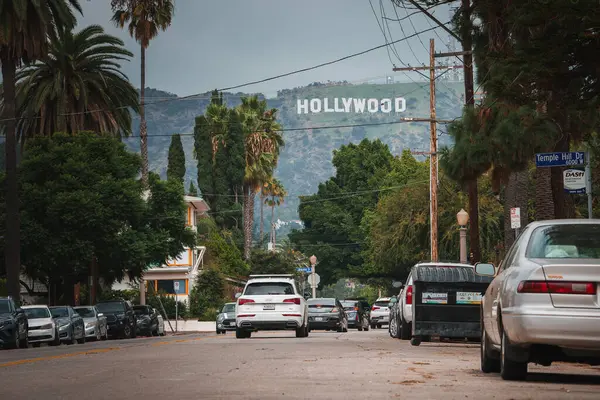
{"x":373,"y":326}
{"x":489,"y":363}
{"x":415,"y":341}
{"x":510,"y":370}
{"x":394,"y":328}
{"x":24,"y":343}
{"x":127,"y":332}
{"x":240,"y":333}
{"x":56,"y":341}
{"x":302,"y":331}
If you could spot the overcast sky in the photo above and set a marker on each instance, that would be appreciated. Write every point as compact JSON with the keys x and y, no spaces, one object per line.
{"x":220,"y":43}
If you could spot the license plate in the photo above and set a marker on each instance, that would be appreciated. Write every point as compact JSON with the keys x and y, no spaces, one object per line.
{"x":318,"y":318}
{"x":232,"y":324}
{"x":269,"y":307}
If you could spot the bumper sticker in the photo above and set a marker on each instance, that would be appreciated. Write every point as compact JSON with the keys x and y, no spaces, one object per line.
{"x":468,"y":298}
{"x":434,"y":298}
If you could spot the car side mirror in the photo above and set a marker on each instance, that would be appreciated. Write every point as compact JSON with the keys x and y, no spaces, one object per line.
{"x":397,"y":284}
{"x":485,"y":269}
{"x":238,"y":295}
{"x":19,"y":310}
{"x":100,"y":315}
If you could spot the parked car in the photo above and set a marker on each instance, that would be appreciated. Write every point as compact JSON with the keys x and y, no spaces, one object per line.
{"x":271,"y":302}
{"x":42,"y":328}
{"x":327,"y":314}
{"x":95,"y":322}
{"x":13,"y":325}
{"x":120,"y":318}
{"x":358,"y":314}
{"x":380,"y":313}
{"x":542,"y":305}
{"x":71,"y":327}
{"x":147,"y":320}
{"x":226,"y":319}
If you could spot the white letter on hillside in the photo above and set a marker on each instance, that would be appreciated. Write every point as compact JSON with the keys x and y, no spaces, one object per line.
{"x":326,"y":105}
{"x":359,"y":105}
{"x":315,"y":105}
{"x":386,"y":105}
{"x":336,"y":105}
{"x":302,"y":106}
{"x":400,"y":104}
{"x":373,"y":105}
{"x":347,"y":104}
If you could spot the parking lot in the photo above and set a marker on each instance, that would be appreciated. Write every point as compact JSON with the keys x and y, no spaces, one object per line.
{"x":278,"y":365}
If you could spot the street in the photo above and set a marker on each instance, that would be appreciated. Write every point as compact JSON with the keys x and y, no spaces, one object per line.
{"x":276,"y":365}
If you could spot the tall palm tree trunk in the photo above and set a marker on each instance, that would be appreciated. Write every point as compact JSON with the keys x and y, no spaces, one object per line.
{"x":273,"y":226}
{"x":474,"y":220}
{"x":516,"y":196}
{"x":262,"y":208}
{"x":143,"y":127}
{"x":13,"y":229}
{"x":544,"y":203}
{"x":248,"y":220}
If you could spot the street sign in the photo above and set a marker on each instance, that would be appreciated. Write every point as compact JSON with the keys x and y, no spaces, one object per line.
{"x":176,"y":286}
{"x":575,"y":181}
{"x":303,"y":269}
{"x":560,"y":159}
{"x":515,"y":218}
{"x":317,"y":280}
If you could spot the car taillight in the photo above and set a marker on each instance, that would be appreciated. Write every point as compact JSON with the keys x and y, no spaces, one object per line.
{"x":295,"y":301}
{"x":374,"y":308}
{"x":335,"y":310}
{"x":557,"y":287}
{"x":409,"y":295}
{"x":241,"y":302}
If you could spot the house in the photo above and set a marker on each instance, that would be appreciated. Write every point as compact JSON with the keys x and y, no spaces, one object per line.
{"x":177,"y":275}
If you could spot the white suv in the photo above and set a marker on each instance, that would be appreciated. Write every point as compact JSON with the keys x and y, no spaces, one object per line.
{"x":380,"y":312}
{"x":270,"y":302}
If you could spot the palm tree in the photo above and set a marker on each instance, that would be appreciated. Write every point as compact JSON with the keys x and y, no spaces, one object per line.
{"x":24,"y":28}
{"x":78,"y":86}
{"x":262,"y":143}
{"x":275,"y":194}
{"x":144,"y":19}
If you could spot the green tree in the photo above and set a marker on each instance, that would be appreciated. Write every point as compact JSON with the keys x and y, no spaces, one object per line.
{"x":77,"y":87}
{"x":271,"y":262}
{"x":208,"y":293}
{"x":176,"y":160}
{"x":144,"y":19}
{"x":94,"y":213}
{"x":25,"y":26}
{"x":192,"y":191}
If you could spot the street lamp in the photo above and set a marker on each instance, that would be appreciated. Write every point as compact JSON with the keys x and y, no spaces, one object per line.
{"x":462,"y":217}
{"x":313,"y":262}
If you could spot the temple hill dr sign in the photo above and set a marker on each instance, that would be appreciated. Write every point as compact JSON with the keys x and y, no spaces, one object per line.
{"x":350,"y":105}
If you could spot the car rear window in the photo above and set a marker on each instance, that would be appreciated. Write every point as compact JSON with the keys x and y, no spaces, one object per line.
{"x":317,"y":303}
{"x":349,"y":305}
{"x":565,"y":241}
{"x":268,"y":288}
{"x":381,"y":303}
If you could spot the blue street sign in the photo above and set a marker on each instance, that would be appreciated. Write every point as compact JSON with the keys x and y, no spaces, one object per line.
{"x":560,"y":159}
{"x":306,"y":269}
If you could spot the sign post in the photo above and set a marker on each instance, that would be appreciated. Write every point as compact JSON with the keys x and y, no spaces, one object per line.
{"x":176,"y":290}
{"x":313,"y":262}
{"x":515,"y":220}
{"x":575,"y":180}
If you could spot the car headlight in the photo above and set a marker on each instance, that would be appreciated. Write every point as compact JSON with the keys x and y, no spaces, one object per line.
{"x":47,"y":326}
{"x":220,"y":318}
{"x":4,"y":323}
{"x":63,"y":327}
{"x":90,"y":324}
{"x":121,"y":316}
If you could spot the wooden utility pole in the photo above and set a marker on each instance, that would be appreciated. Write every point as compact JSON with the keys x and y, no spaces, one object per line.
{"x":433,"y":160}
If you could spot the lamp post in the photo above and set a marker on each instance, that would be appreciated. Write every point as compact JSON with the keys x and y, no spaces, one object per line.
{"x":462,"y":217}
{"x":313,"y":262}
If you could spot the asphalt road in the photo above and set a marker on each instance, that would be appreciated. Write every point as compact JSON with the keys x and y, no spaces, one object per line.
{"x":276,"y":365}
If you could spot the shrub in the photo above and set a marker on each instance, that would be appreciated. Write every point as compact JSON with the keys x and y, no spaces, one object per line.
{"x":207,"y":294}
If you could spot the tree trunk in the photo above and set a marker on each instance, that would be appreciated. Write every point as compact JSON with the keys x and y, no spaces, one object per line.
{"x":248,"y":208}
{"x":273,"y":226}
{"x":474,"y":221}
{"x":516,"y":196}
{"x":94,"y":281}
{"x":143,"y":127}
{"x":562,"y":207}
{"x":262,"y":207}
{"x":12,"y":250}
{"x":544,"y":203}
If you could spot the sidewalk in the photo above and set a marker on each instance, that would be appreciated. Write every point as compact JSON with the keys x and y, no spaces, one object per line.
{"x":191,"y":326}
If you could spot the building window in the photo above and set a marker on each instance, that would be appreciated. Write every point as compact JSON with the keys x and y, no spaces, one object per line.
{"x":168,"y":286}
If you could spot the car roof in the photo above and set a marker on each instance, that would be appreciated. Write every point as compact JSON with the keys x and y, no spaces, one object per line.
{"x":35,"y":306}
{"x":384,"y":299}
{"x":443,"y":264}
{"x":571,"y":221}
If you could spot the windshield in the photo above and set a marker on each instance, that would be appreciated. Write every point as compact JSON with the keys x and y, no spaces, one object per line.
{"x":349,"y":305}
{"x":269,"y":288}
{"x":110,"y":307}
{"x":228,"y":308}
{"x":85,"y":312}
{"x":141,"y":310}
{"x":565,"y":241}
{"x":35,"y":313}
{"x":4,"y":308}
{"x":59,"y":312}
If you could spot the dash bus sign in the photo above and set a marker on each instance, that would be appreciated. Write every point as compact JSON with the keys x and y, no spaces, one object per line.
{"x":574,"y":181}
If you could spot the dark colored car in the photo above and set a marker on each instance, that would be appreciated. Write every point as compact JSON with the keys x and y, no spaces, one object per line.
{"x":147,"y":320}
{"x":226,"y":319}
{"x":69,"y":323}
{"x":327,"y":314}
{"x":13,"y":325}
{"x":121,"y":320}
{"x":358,"y":314}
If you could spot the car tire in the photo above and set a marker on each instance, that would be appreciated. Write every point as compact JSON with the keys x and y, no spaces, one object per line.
{"x":415,"y":341}
{"x":394,"y":328}
{"x":56,"y":341}
{"x":373,"y":326}
{"x":127,"y":332}
{"x":302,"y":331}
{"x":490,"y":362}
{"x":241,"y":333}
{"x":24,"y":343}
{"x":510,"y":370}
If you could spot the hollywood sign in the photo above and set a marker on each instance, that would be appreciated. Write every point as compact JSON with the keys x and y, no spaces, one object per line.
{"x":348,"y":105}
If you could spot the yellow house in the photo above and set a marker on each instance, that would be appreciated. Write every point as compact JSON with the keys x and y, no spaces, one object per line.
{"x":177,"y":274}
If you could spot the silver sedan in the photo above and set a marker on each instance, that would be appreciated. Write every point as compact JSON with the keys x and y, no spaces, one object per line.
{"x":543,"y":304}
